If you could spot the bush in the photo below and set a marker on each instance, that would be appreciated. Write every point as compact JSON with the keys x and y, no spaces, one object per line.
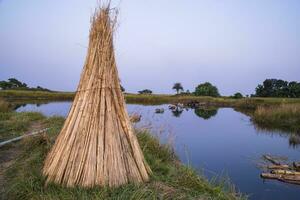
{"x":207,"y":89}
{"x":237,"y":95}
{"x":146,"y":91}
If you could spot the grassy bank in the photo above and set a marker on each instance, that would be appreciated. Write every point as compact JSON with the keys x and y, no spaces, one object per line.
{"x":249,"y":103}
{"x":285,"y":117}
{"x":35,"y":95}
{"x":13,"y":124}
{"x":155,"y":99}
{"x":265,"y":116}
{"x":4,"y":106}
{"x":170,"y":179}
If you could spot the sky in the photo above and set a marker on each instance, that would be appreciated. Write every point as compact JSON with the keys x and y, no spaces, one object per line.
{"x":234,"y":44}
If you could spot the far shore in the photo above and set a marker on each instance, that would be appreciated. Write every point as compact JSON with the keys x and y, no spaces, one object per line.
{"x":154,"y":99}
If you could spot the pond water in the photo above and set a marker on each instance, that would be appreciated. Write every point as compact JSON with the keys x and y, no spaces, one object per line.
{"x":214,"y":141}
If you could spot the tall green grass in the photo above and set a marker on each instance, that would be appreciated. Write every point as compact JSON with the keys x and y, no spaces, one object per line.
{"x":13,"y":124}
{"x":285,"y":117}
{"x":4,"y":106}
{"x":170,"y":179}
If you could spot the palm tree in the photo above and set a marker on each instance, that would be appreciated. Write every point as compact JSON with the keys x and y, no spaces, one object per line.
{"x":178,"y":87}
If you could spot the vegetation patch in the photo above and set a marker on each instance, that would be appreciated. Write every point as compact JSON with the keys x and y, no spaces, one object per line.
{"x":170,"y":179}
{"x":35,"y":95}
{"x":4,"y":106}
{"x":207,"y":89}
{"x":278,"y":88}
{"x":285,"y":117}
{"x":13,"y":124}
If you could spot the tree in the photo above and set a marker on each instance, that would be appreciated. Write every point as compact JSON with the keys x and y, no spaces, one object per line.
{"x":278,"y":88}
{"x":146,"y":91}
{"x":4,"y":85}
{"x":16,"y":83}
{"x":207,"y":89}
{"x":11,"y":84}
{"x":237,"y":95}
{"x":178,"y":87}
{"x":294,"y":89}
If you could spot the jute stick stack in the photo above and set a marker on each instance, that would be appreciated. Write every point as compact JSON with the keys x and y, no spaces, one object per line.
{"x":97,"y":145}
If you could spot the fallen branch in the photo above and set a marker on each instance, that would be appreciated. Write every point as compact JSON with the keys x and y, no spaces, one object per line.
{"x":23,"y":136}
{"x":283,"y":178}
{"x":285,"y":172}
{"x":278,"y":167}
{"x":282,"y":172}
{"x":272,"y":160}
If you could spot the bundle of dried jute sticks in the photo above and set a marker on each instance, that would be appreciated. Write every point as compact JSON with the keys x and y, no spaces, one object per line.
{"x":97,"y":144}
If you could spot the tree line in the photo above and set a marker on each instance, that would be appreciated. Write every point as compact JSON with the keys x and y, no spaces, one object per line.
{"x":278,"y":88}
{"x":269,"y":88}
{"x":15,"y":84}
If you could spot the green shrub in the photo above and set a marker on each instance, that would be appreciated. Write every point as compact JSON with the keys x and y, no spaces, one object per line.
{"x":237,"y":95}
{"x":207,"y":89}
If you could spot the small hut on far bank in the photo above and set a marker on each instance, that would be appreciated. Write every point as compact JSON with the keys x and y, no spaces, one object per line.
{"x":97,"y":145}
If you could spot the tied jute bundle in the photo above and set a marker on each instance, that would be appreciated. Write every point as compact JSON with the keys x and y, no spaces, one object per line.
{"x":97,"y":145}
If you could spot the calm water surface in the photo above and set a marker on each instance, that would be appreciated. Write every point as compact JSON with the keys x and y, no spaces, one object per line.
{"x":219,"y":141}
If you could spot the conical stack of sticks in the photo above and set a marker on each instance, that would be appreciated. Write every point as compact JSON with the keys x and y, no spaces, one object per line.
{"x":97,"y":145}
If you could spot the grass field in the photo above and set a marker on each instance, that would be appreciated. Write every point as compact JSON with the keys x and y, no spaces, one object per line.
{"x":170,"y":179}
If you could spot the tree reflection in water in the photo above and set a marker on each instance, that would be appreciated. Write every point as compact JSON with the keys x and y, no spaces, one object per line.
{"x":206,"y":113}
{"x":177,"y":112}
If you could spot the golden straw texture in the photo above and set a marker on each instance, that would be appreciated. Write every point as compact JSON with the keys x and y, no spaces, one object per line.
{"x":97,"y":145}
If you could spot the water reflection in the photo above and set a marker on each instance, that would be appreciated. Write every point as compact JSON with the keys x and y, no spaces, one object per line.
{"x":206,"y":113}
{"x":177,"y":112}
{"x":202,"y":112}
{"x":18,"y":104}
{"x":294,"y":140}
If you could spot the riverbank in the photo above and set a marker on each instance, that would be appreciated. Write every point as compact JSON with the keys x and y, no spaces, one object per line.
{"x":170,"y":179}
{"x":154,"y":99}
{"x":285,"y":117}
{"x":35,"y":95}
{"x":250,"y":106}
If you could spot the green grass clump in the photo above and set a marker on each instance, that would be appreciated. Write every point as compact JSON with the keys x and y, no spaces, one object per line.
{"x":285,"y":117}
{"x":4,"y":106}
{"x":170,"y":179}
{"x":13,"y":124}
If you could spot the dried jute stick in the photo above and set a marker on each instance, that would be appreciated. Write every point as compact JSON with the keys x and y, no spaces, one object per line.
{"x":97,"y":144}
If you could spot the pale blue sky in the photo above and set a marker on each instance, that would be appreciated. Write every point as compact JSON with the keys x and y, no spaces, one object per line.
{"x":235,"y":44}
